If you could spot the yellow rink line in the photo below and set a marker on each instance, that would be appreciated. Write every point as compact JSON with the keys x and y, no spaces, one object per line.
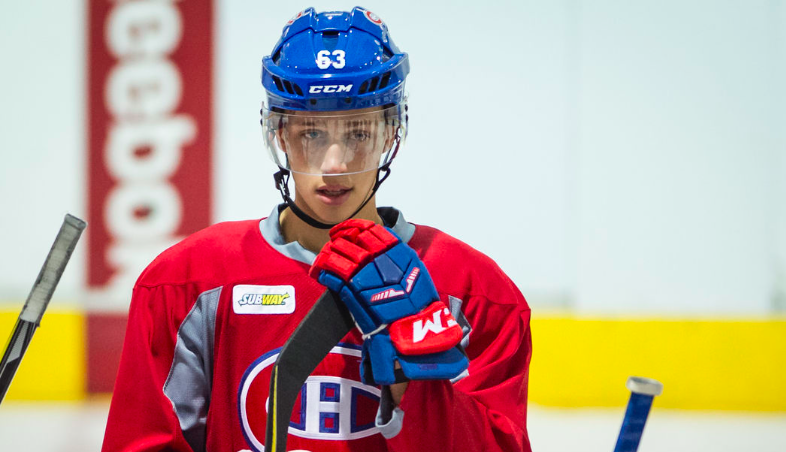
{"x":54,"y":367}
{"x":703,"y":364}
{"x":577,"y":361}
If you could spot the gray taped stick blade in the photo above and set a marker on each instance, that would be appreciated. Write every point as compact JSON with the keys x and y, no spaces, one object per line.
{"x":53,"y":268}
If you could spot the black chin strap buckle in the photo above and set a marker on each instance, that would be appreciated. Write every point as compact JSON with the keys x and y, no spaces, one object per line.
{"x":282,"y":178}
{"x":386,"y":169}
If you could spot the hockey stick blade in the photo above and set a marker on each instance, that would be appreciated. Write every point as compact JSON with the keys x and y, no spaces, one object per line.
{"x":323,"y":327}
{"x":40,"y":295}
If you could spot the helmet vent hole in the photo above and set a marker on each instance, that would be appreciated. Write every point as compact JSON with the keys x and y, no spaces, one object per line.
{"x":297,"y":89}
{"x":363,"y":87}
{"x":385,"y":79}
{"x":373,"y":86}
{"x":277,"y":81}
{"x":288,"y":87}
{"x":330,"y":40}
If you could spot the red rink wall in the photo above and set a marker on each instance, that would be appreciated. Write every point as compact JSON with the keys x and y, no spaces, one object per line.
{"x":149,"y":138}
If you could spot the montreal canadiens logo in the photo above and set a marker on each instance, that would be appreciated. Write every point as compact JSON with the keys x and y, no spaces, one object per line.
{"x":373,"y":17}
{"x":297,"y":16}
{"x":328,"y":407}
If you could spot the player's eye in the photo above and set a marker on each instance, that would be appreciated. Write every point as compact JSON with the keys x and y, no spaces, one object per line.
{"x":311,"y":134}
{"x":359,"y":135}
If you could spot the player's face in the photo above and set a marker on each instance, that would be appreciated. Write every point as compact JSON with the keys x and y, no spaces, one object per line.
{"x":334,"y":159}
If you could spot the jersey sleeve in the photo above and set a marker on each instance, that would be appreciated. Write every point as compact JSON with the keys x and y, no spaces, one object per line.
{"x":485,"y":410}
{"x":144,"y":415}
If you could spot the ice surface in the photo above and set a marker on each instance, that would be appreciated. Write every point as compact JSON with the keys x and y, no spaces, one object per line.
{"x":69,"y":427}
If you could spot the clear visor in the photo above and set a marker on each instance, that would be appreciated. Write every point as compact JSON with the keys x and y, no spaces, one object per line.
{"x":332,"y":142}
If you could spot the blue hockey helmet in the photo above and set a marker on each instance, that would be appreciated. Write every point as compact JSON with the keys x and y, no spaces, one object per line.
{"x":336,"y":104}
{"x":334,"y":61}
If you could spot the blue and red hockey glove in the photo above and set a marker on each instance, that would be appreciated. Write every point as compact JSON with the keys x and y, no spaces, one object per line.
{"x":394,"y":303}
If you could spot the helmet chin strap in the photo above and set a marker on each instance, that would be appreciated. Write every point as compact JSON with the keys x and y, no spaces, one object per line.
{"x":282,"y":184}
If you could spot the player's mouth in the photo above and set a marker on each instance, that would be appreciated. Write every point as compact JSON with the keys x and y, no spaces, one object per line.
{"x":333,"y":195}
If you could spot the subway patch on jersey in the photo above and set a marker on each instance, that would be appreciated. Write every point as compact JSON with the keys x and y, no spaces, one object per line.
{"x":249,"y":299}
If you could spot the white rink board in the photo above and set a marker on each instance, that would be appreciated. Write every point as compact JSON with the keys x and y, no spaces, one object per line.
{"x":622,"y":157}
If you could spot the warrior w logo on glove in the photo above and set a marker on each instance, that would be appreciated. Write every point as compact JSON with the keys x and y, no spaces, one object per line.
{"x":394,"y":303}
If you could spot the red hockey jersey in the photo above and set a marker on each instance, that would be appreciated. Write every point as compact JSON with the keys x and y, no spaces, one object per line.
{"x":209,"y":316}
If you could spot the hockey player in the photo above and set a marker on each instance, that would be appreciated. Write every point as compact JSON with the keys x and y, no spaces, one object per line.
{"x":439,"y":359}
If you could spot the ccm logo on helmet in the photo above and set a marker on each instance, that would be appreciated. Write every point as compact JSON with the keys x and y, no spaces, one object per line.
{"x":316,"y":89}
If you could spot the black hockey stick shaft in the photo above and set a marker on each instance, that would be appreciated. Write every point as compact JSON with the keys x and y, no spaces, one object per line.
{"x":15,"y":350}
{"x":40,"y":295}
{"x":324,"y":326}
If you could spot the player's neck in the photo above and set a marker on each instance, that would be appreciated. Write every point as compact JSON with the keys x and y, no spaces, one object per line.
{"x":311,"y":238}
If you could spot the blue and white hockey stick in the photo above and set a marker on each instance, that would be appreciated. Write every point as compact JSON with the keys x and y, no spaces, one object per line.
{"x":642,"y":392}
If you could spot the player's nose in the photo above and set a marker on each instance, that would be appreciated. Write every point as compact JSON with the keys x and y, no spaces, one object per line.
{"x":334,"y":162}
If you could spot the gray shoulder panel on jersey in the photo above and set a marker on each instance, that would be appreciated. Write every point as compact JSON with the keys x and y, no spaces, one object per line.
{"x":461,"y":319}
{"x":270,"y":228}
{"x":191,"y":375}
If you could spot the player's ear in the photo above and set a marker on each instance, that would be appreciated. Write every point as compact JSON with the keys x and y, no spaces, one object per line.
{"x":282,"y":142}
{"x":282,"y":138}
{"x":391,"y":131}
{"x":274,"y":126}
